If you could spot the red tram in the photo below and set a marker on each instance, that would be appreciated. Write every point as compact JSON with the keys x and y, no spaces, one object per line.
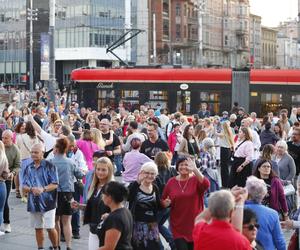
{"x":185,"y":89}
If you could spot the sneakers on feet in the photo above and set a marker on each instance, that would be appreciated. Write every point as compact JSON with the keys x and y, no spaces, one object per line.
{"x":76,"y":236}
{"x":7,"y":228}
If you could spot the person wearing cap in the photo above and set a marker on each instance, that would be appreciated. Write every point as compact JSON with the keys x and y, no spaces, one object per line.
{"x":133,"y":129}
{"x":133,"y":161}
{"x":240,"y":116}
{"x":224,"y":117}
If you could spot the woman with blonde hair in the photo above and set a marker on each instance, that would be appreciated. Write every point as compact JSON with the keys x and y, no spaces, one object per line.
{"x":94,"y":209}
{"x":97,"y":138}
{"x":227,"y":146}
{"x":4,"y":175}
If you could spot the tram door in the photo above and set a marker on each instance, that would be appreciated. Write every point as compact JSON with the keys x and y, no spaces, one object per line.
{"x":184,"y":101}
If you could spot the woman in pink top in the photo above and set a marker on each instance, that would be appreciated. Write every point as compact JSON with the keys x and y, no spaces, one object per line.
{"x":87,"y":147}
{"x":242,"y":163}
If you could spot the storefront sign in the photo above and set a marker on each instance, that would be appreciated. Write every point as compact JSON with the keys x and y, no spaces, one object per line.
{"x":105,"y":85}
{"x":184,"y":86}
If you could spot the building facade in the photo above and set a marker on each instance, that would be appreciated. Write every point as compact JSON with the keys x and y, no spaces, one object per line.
{"x":269,"y":45}
{"x":13,"y":42}
{"x":255,"y":41}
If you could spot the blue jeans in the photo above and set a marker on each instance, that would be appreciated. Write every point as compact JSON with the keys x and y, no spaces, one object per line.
{"x":2,"y":199}
{"x":118,"y":162}
{"x":162,"y":217}
{"x":76,"y":213}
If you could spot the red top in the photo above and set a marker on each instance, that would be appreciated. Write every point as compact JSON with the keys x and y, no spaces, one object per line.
{"x":186,"y":203}
{"x":218,"y":235}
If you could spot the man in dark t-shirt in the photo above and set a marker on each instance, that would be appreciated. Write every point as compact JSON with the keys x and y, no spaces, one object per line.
{"x":294,"y":148}
{"x":154,"y":144}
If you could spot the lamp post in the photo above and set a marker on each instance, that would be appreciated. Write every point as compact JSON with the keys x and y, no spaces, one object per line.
{"x":31,"y":16}
{"x":52,"y":79}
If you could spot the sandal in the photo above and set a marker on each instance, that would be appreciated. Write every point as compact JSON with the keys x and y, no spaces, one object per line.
{"x":18,"y":194}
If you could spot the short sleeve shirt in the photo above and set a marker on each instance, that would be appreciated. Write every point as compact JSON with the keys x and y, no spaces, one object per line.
{"x":122,"y":221}
{"x":41,"y":176}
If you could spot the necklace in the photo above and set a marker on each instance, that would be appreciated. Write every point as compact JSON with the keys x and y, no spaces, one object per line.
{"x":184,"y":187}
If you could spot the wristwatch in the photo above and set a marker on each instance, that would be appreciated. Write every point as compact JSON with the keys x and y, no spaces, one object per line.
{"x":44,"y":189}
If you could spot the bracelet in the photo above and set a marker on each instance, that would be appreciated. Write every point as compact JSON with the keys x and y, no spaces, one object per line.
{"x":239,"y":206}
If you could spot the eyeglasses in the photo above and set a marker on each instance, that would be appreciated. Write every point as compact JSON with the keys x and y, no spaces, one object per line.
{"x":150,"y":130}
{"x":265,"y":166}
{"x":251,"y":227}
{"x":149,"y":173}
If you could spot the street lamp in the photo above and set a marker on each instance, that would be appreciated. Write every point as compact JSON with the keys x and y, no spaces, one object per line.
{"x":31,"y":16}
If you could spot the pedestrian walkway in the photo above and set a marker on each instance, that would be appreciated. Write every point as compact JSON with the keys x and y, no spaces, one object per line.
{"x":22,"y":236}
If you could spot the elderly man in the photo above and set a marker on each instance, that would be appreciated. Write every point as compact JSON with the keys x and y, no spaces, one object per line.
{"x":13,"y":156}
{"x":213,"y":229}
{"x":40,"y":182}
{"x":269,"y":233}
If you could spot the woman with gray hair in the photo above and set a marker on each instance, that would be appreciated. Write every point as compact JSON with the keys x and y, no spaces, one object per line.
{"x":286,"y":164}
{"x":208,"y":164}
{"x":269,"y":234}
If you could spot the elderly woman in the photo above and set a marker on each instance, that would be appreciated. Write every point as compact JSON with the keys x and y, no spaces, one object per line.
{"x":250,"y":228}
{"x":188,"y":187}
{"x":275,"y":197}
{"x":144,"y":204}
{"x":286,"y":164}
{"x":269,"y":233}
{"x":208,"y":164}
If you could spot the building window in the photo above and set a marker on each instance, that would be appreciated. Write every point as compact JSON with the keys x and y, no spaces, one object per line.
{"x":158,"y":98}
{"x":178,"y":9}
{"x":106,"y":98}
{"x":166,"y":28}
{"x":178,"y":31}
{"x":226,"y":40}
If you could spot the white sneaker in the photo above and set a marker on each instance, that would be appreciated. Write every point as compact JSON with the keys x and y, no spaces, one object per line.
{"x":2,"y":233}
{"x":7,"y":228}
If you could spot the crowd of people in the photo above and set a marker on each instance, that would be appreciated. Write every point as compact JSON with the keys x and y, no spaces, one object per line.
{"x":200,"y":182}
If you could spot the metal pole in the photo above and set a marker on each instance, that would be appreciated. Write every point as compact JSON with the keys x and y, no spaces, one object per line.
{"x":52,"y":79}
{"x":31,"y":50}
{"x":154,"y":39}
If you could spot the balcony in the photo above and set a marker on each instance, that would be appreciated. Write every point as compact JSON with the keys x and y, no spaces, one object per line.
{"x":242,"y":31}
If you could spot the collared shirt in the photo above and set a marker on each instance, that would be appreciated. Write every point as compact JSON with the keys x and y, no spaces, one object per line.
{"x":41,"y":176}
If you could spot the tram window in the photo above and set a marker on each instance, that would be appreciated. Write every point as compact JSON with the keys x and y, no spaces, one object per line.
{"x":271,"y":102}
{"x":212,"y":100}
{"x":106,"y":94}
{"x":295,"y":98}
{"x":130,"y":94}
{"x":184,"y":101}
{"x":158,"y":95}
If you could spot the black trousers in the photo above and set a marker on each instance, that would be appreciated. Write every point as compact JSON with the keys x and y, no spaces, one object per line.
{"x":182,"y":244}
{"x":239,"y":179}
{"x":225,"y":160}
{"x":6,"y":207}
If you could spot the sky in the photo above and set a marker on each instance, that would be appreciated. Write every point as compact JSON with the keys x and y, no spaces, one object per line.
{"x":274,"y":11}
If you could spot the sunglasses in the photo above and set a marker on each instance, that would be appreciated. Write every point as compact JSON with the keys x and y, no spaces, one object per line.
{"x":251,"y":227}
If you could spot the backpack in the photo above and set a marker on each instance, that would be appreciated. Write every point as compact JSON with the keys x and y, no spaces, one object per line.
{"x":167,"y":127}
